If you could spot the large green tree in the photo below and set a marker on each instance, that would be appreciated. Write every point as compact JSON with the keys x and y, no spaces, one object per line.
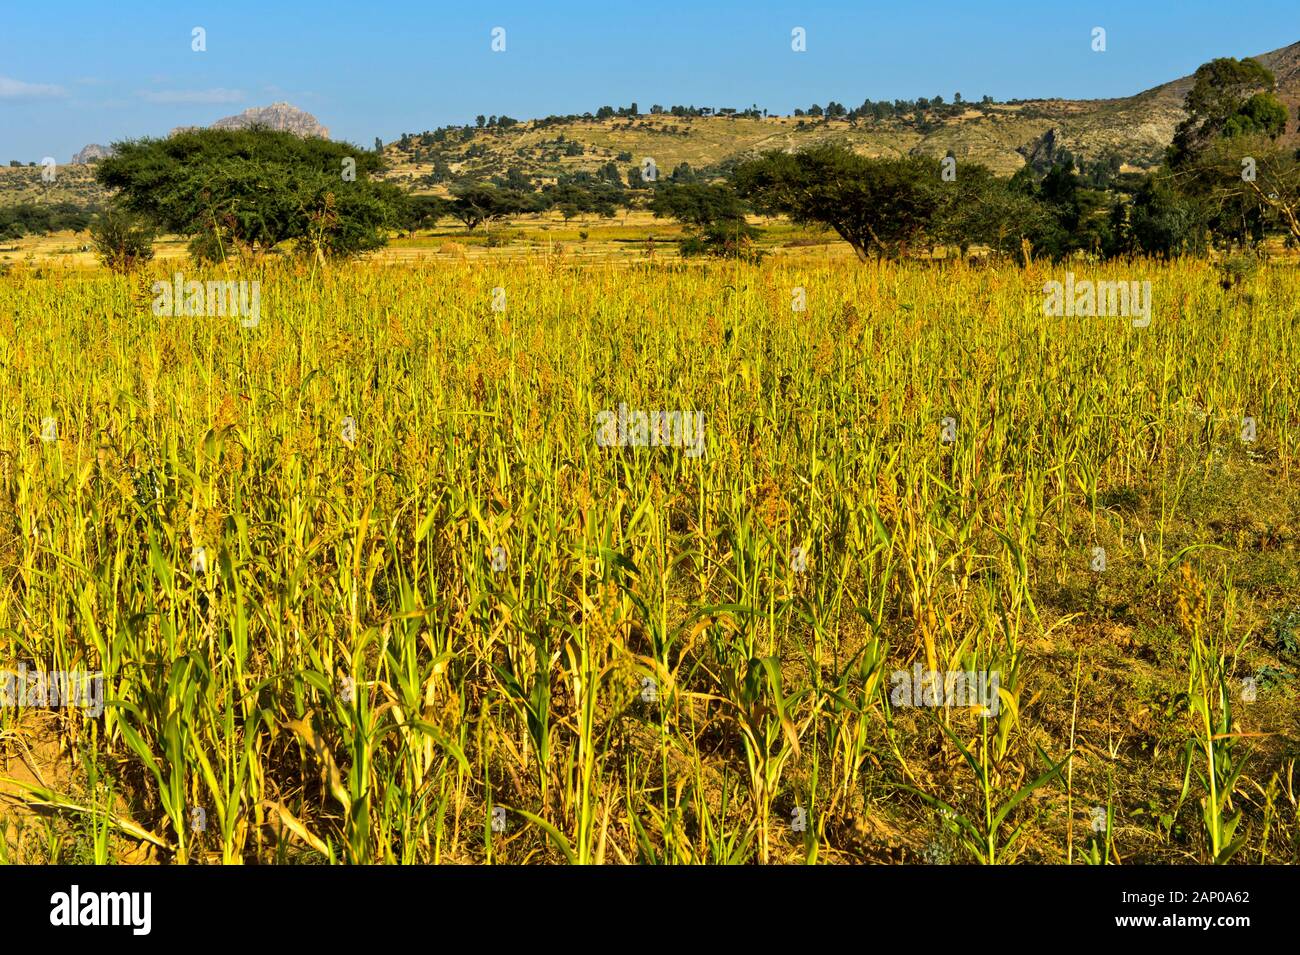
{"x":480,"y":204}
{"x":246,"y":191}
{"x":1229,"y":97}
{"x":979,"y":208}
{"x":879,"y":206}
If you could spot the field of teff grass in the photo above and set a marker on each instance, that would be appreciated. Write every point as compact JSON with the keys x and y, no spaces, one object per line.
{"x":637,"y":654}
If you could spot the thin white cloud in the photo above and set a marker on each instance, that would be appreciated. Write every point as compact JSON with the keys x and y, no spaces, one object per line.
{"x":194,"y":96}
{"x":17,"y":89}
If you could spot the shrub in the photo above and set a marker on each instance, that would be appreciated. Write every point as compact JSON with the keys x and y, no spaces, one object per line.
{"x":122,"y":240}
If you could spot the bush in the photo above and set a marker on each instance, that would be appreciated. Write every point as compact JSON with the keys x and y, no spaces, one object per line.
{"x":122,"y":240}
{"x":723,"y":243}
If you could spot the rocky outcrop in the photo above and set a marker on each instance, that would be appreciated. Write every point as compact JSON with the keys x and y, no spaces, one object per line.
{"x":91,"y":153}
{"x":277,"y":116}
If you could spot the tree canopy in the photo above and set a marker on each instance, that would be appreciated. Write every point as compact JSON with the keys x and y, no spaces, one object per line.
{"x":713,"y":214}
{"x":1229,"y":97}
{"x":479,"y":204}
{"x":248,"y":190}
{"x":879,"y":206}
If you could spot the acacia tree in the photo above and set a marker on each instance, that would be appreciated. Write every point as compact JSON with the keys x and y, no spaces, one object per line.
{"x":581,"y":198}
{"x":712,"y":212}
{"x":478,"y":204}
{"x":246,"y":191}
{"x":423,"y":211}
{"x":1278,"y":188}
{"x":878,"y":206}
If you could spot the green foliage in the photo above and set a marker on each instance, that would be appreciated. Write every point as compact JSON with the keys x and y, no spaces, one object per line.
{"x":1162,"y":222}
{"x":575,"y":198}
{"x":1077,"y":217}
{"x":888,"y":206}
{"x":249,"y":190}
{"x":713,"y":214}
{"x":1229,"y":97}
{"x":878,"y":206}
{"x":478,"y":204}
{"x":1286,"y":632}
{"x":30,"y":218}
{"x":1247,"y":186}
{"x":423,"y":212}
{"x":979,"y":208}
{"x":122,"y":240}
{"x":1262,"y":114}
{"x":698,"y":205}
{"x":1220,"y":86}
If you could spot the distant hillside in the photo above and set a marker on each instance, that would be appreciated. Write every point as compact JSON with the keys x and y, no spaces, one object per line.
{"x":991,"y":135}
{"x":1134,"y":129}
{"x":72,"y":183}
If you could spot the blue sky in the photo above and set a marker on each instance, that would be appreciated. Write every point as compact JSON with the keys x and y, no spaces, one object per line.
{"x":81,"y":71}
